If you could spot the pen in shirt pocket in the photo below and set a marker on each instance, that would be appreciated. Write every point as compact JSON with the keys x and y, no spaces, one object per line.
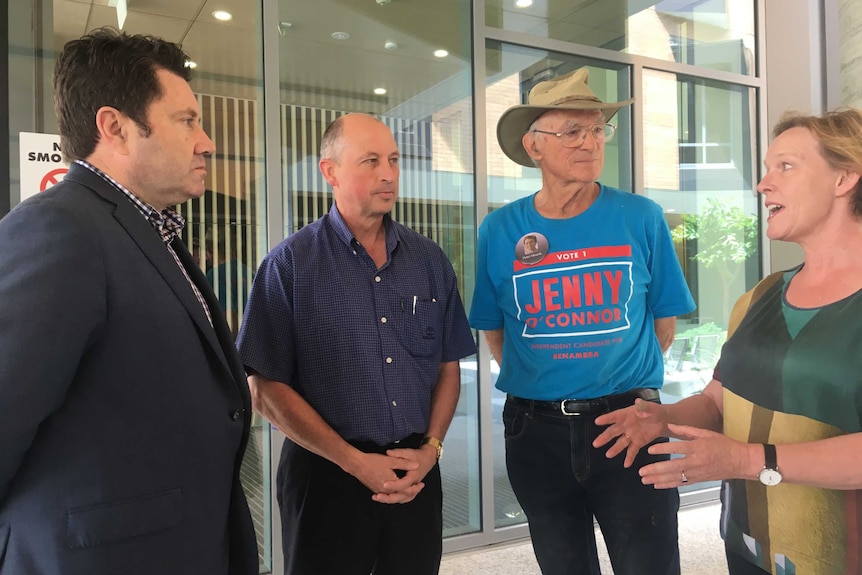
{"x":416,"y":300}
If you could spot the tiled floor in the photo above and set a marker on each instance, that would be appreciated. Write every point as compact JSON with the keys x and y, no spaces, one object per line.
{"x":701,"y":551}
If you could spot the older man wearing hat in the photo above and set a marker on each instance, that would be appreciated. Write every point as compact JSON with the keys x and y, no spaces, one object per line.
{"x":578,"y":326}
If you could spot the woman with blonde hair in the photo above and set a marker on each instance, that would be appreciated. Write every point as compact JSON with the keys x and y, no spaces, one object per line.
{"x":781,"y":422}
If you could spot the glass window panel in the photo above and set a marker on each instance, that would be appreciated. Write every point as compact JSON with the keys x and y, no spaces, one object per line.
{"x":31,"y":65}
{"x":228,"y":224}
{"x":427,"y":104}
{"x":699,"y":161}
{"x":511,"y":72}
{"x":715,"y":34}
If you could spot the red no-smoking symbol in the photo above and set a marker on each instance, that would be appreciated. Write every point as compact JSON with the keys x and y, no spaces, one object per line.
{"x":52,"y":178}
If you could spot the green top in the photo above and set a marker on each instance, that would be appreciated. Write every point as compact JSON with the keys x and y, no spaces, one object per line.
{"x":795,"y":317}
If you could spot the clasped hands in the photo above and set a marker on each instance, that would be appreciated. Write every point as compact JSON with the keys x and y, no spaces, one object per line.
{"x":702,"y":455}
{"x":396,"y":476}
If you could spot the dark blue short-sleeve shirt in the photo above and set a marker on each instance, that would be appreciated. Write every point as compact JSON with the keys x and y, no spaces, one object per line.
{"x":362,"y":345}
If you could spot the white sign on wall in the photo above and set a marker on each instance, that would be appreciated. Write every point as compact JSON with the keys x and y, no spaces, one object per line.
{"x":42,"y":163}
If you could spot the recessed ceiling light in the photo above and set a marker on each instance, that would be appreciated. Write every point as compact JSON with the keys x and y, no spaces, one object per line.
{"x":523,"y":3}
{"x":441,"y":53}
{"x":379,"y":91}
{"x":390,"y":45}
{"x":191,"y":65}
{"x":340,"y":35}
{"x":222,"y":15}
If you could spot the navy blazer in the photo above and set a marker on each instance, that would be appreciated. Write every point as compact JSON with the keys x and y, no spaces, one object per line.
{"x":125,"y":413}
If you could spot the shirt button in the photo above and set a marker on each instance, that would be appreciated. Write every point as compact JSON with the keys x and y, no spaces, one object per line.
{"x":377,"y":279}
{"x":236,"y":414}
{"x":394,"y":404}
{"x":388,"y":360}
{"x":383,"y":320}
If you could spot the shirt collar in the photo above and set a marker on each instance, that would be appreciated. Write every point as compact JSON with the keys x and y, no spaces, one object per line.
{"x":168,"y":223}
{"x":346,"y":236}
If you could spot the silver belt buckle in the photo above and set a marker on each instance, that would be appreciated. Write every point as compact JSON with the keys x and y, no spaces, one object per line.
{"x":563,"y":409}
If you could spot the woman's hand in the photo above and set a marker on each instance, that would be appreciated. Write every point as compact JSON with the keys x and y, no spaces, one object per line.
{"x":705,"y":456}
{"x":632,"y":428}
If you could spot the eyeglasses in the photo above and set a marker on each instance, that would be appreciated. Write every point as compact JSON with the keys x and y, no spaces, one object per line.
{"x":576,"y":137}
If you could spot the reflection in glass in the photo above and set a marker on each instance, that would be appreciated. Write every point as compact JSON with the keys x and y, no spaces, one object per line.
{"x":411,"y":70}
{"x":716,"y":34}
{"x":699,"y":166}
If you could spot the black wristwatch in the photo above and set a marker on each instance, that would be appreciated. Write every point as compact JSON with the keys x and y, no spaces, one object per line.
{"x":770,"y":475}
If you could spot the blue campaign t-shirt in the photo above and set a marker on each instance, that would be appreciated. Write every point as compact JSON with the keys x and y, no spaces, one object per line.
{"x":577,"y":297}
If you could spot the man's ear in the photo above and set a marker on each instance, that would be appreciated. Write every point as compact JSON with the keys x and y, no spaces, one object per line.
{"x":529,"y":143}
{"x":327,"y":170}
{"x":113,"y":127}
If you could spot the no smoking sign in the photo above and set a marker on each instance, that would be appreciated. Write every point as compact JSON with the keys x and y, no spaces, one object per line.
{"x":52,"y":178}
{"x":41,"y":163}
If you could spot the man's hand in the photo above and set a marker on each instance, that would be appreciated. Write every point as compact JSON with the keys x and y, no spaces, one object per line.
{"x":375,"y":470}
{"x":404,"y":489}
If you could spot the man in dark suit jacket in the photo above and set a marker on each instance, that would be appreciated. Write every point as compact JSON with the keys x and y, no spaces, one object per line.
{"x":125,"y":409}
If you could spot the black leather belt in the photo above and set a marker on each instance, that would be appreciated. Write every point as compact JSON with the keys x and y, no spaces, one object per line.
{"x":597,"y":406}
{"x":413,"y":441}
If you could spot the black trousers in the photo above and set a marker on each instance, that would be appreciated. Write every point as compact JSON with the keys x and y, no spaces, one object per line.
{"x":330,"y":524}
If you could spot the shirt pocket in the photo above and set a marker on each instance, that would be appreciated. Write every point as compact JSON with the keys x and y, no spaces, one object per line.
{"x":422,"y":325}
{"x":108,"y":522}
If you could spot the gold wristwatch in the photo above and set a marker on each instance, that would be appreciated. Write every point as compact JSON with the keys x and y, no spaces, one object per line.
{"x":436,"y":443}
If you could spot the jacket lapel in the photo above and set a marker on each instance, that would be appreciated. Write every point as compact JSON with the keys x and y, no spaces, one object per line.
{"x":149,"y":242}
{"x":220,"y":327}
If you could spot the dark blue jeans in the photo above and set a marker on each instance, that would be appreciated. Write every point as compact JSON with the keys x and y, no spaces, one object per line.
{"x":562,"y":483}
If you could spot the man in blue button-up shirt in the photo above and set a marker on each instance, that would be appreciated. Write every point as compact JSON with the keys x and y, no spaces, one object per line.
{"x":352,"y":337}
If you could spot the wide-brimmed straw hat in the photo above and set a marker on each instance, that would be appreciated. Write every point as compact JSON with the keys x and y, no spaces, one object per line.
{"x":569,"y":92}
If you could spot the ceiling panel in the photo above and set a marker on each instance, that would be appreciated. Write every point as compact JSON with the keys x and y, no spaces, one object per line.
{"x":314,"y":67}
{"x":70,"y":19}
{"x":225,"y":51}
{"x":428,"y":23}
{"x":245,"y":14}
{"x":162,"y":25}
{"x":599,"y":13}
{"x":182,"y":9}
